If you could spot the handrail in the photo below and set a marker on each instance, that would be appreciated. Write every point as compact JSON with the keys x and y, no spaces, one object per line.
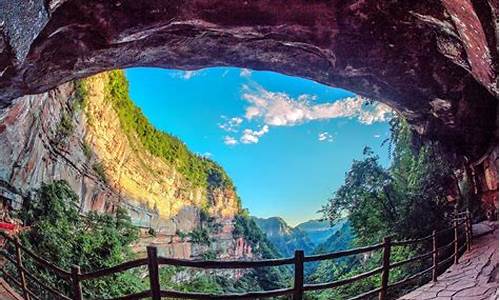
{"x":343,"y":253}
{"x":153,"y":261}
{"x":411,"y":259}
{"x":136,"y":296}
{"x":249,"y":295}
{"x":17,"y":283}
{"x":225,"y":264}
{"x":62,"y":273}
{"x":329,"y":285}
{"x":411,"y":277}
{"x":115,"y":269}
{"x":413,"y":241}
{"x":366,"y":294}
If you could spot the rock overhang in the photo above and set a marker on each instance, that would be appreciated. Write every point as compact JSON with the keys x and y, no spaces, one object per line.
{"x":433,"y":61}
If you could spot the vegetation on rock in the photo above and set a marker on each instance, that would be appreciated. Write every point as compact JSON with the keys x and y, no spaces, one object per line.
{"x":64,"y":128}
{"x":99,"y":169}
{"x":199,"y":170}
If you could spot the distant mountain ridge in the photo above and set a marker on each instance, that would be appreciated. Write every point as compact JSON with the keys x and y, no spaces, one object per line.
{"x":319,"y":231}
{"x":284,"y":237}
{"x":313,"y":236}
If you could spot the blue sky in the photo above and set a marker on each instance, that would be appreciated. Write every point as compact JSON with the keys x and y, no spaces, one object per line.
{"x":286,"y":142}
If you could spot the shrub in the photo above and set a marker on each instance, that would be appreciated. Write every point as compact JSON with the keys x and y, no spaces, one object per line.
{"x":65,"y":127}
{"x":79,"y":95}
{"x":98,"y":168}
{"x":209,"y":255}
{"x":87,"y":150}
{"x":181,"y":235}
{"x":200,"y":236}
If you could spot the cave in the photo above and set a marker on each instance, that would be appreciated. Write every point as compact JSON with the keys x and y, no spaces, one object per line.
{"x":435,"y":62}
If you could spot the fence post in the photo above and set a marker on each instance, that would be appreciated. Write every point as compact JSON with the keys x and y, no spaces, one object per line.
{"x":467,"y":233}
{"x":471,"y":236}
{"x":19,"y":262}
{"x":455,"y":229}
{"x":385,"y":267}
{"x":154,"y":276}
{"x":75,"y":282}
{"x":434,"y":256}
{"x":298,"y":285}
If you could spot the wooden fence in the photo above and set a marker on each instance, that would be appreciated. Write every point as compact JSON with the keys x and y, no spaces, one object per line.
{"x":153,"y":263}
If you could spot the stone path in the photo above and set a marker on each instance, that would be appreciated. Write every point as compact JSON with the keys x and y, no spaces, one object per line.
{"x":475,"y":277}
{"x":6,"y":292}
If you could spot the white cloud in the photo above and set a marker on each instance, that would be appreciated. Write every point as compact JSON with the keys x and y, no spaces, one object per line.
{"x":207,"y":154}
{"x":185,"y":75}
{"x":229,"y":140}
{"x":189,"y":74}
{"x":376,"y":136}
{"x":230,"y":125}
{"x":252,"y":136}
{"x":279,"y":109}
{"x":245,"y":72}
{"x":325,"y":137}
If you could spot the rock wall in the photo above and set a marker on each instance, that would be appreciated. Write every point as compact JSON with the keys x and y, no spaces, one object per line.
{"x":485,"y":182}
{"x":34,"y":151}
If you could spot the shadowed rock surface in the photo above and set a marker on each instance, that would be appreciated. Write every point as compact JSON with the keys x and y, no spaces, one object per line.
{"x":434,"y":61}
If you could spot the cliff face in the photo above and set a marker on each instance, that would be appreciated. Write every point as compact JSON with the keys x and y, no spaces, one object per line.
{"x":73,"y":132}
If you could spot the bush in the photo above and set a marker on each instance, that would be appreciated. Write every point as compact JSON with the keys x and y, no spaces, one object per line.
{"x":209,"y":255}
{"x":181,"y":235}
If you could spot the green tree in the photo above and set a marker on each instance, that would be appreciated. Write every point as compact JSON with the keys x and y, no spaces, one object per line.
{"x":407,"y":200}
{"x":60,"y":234}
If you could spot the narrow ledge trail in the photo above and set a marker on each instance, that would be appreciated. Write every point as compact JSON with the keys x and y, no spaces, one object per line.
{"x":475,"y":277}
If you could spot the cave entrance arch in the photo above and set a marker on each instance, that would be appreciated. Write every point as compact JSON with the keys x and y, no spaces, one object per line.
{"x":433,"y":61}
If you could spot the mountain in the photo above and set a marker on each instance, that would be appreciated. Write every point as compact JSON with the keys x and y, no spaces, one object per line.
{"x":91,"y":134}
{"x":341,"y":239}
{"x":314,"y":236}
{"x":285,"y":238}
{"x":319,"y":231}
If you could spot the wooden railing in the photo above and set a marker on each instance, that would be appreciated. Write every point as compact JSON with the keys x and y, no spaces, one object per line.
{"x":153,"y":263}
